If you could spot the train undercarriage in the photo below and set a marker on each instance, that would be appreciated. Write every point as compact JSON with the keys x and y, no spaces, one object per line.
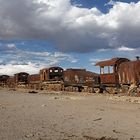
{"x":131,"y":90}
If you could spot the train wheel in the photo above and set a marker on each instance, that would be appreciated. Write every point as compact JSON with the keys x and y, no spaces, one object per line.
{"x":91,"y":90}
{"x":111,"y":90}
{"x":97,"y":90}
{"x":125,"y":89}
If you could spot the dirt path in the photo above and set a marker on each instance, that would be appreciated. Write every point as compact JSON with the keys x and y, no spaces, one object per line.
{"x":67,"y":117}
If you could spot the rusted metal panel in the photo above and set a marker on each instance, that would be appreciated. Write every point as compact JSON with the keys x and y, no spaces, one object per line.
{"x":34,"y":81}
{"x":129,"y":72}
{"x":111,"y":62}
{"x":11,"y":82}
{"x":74,"y":76}
{"x":52,"y":73}
{"x":44,"y":74}
{"x":33,"y":78}
{"x":78,"y":76}
{"x":108,"y":78}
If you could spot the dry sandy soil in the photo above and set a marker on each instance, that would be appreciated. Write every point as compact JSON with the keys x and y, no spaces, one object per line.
{"x":25,"y":116}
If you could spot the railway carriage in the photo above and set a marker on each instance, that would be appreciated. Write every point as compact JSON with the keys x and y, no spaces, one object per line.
{"x":21,"y":79}
{"x":78,"y":80}
{"x":3,"y":80}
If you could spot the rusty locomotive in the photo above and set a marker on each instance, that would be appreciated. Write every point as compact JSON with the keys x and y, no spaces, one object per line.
{"x":116,"y":75}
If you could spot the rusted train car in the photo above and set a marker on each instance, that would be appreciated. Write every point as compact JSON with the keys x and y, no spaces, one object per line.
{"x":116,"y":73}
{"x":3,"y":80}
{"x":78,"y":80}
{"x":21,"y":79}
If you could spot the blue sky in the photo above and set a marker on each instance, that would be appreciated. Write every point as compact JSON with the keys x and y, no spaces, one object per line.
{"x":70,"y":34}
{"x":100,"y":4}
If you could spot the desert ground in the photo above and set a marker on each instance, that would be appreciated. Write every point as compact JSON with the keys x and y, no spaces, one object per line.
{"x":68,"y":116}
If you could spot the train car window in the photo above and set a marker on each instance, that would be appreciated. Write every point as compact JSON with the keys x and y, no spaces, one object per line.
{"x":111,"y":69}
{"x":106,"y":70}
{"x":102,"y":70}
{"x":55,"y":70}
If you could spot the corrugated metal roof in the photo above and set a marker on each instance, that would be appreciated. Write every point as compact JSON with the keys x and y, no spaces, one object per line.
{"x":110,"y":62}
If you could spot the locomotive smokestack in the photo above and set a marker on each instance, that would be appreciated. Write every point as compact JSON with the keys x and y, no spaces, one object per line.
{"x":137,"y":58}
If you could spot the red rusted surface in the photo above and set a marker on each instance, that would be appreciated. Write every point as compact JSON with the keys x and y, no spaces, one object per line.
{"x":129,"y":72}
{"x":52,"y":73}
{"x":34,"y":81}
{"x":111,"y":62}
{"x":11,"y":79}
{"x":11,"y":82}
{"x":108,"y":78}
{"x":78,"y":76}
{"x":34,"y":78}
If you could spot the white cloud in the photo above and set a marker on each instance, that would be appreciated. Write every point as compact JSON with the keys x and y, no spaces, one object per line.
{"x":7,"y":47}
{"x":13,"y":60}
{"x":123,"y":48}
{"x":11,"y":69}
{"x":71,"y":28}
{"x":11,"y":46}
{"x":111,"y":2}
